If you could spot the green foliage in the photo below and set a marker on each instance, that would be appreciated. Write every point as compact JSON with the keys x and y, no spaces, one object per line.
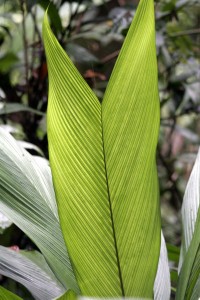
{"x":23,"y":180}
{"x":20,"y":265}
{"x":104,"y":184}
{"x":7,"y":295}
{"x":92,"y":38}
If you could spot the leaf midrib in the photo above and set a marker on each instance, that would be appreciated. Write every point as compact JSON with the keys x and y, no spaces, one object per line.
{"x":111,"y":212}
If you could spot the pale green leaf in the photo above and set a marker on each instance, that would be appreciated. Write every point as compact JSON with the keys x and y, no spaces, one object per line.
{"x":162,"y":284}
{"x":8,"y":108}
{"x":189,"y":265}
{"x":7,"y":295}
{"x":32,"y":271}
{"x":27,"y":198}
{"x":103,"y":165}
{"x":196,"y":290}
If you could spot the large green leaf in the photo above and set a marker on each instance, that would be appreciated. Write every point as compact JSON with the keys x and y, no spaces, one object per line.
{"x":103,"y":164}
{"x":31,"y":270}
{"x":27,"y":199}
{"x":130,"y":115}
{"x":7,"y":295}
{"x":189,"y":265}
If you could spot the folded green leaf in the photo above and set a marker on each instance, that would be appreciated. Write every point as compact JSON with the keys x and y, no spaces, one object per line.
{"x":31,"y":270}
{"x":7,"y":295}
{"x":27,"y":198}
{"x":189,"y":265}
{"x":103,"y":164}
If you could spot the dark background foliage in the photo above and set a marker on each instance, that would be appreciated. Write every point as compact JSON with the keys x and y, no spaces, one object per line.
{"x":92,"y":33}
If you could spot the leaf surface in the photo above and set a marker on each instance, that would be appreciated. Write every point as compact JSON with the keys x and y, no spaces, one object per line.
{"x":9,"y":108}
{"x":27,"y":199}
{"x":103,"y":165}
{"x":31,"y":270}
{"x":162,"y":284}
{"x":189,"y":264}
{"x":130,"y":117}
{"x":69,"y":295}
{"x":7,"y":295}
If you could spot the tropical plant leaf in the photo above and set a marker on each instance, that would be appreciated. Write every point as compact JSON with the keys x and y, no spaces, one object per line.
{"x":106,"y":184}
{"x":7,"y":295}
{"x":53,"y":14}
{"x":27,"y":198}
{"x":130,"y":117}
{"x":31,"y":270}
{"x":69,"y":295}
{"x":173,"y":253}
{"x":189,"y":265}
{"x":162,"y":284}
{"x":9,"y":108}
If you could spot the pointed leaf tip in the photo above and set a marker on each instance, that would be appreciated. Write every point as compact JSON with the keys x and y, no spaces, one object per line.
{"x":106,"y":184}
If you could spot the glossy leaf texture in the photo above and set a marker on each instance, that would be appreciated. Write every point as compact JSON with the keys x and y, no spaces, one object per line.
{"x":27,"y":198}
{"x":103,"y":164}
{"x":31,"y":270}
{"x":189,"y":265}
{"x":7,"y":295}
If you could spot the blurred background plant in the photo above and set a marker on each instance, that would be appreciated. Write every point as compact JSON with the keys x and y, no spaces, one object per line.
{"x":92,"y":33}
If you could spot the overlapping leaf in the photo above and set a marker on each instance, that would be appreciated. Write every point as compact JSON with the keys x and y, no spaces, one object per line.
{"x":27,"y":198}
{"x":162,"y":284}
{"x":103,"y":164}
{"x":31,"y":270}
{"x":189,"y":265}
{"x":7,"y":295}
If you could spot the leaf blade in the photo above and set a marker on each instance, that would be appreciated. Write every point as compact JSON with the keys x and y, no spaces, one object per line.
{"x":189,"y":263}
{"x":162,"y":284}
{"x":76,"y":158}
{"x":7,"y":295}
{"x":80,"y":180}
{"x":130,"y":132}
{"x":27,"y":199}
{"x":32,"y":271}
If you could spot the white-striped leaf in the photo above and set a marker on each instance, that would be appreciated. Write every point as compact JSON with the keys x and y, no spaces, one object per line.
{"x":31,"y":270}
{"x":27,"y":198}
{"x":162,"y":284}
{"x":189,"y":265}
